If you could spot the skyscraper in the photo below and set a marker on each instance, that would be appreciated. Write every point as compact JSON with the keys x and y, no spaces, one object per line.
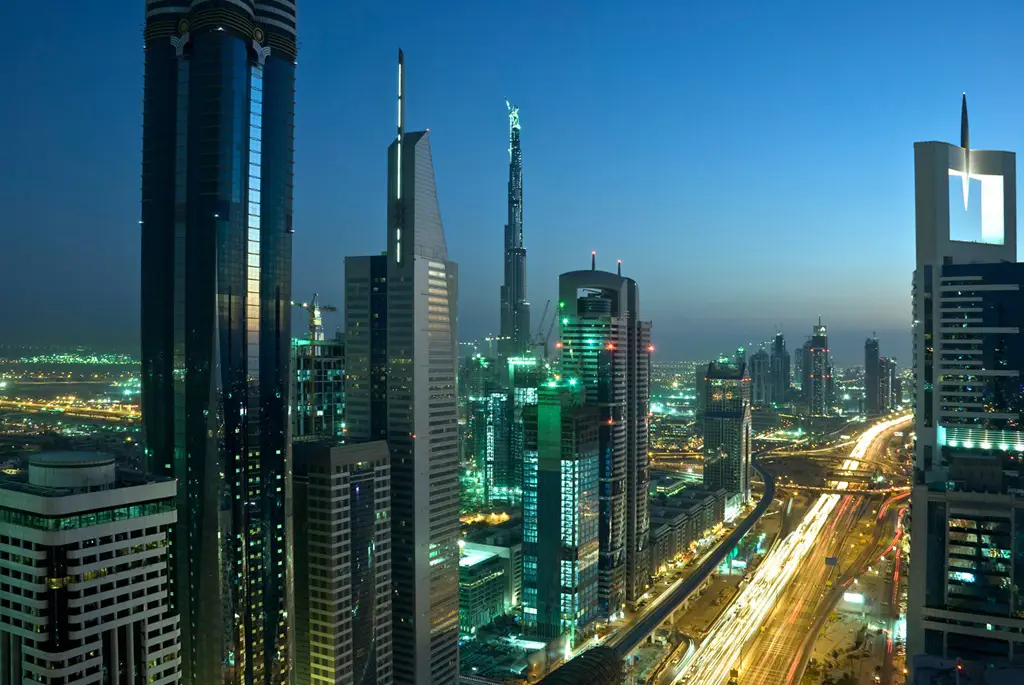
{"x":872,"y":384}
{"x":85,"y":573}
{"x":780,"y":370}
{"x":760,"y":375}
{"x":727,"y":428}
{"x":318,"y":390}
{"x":422,"y":420}
{"x":606,"y":346}
{"x":515,"y":310}
{"x":560,"y":538}
{"x":343,"y":563}
{"x":818,"y":373}
{"x":968,"y":508}
{"x":216,"y":230}
{"x":889,"y":387}
{"x":366,"y":347}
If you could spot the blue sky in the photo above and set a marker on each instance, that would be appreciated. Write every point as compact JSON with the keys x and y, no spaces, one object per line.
{"x":751,"y":163}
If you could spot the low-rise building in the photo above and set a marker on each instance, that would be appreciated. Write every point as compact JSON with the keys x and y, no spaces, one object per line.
{"x":483,"y":580}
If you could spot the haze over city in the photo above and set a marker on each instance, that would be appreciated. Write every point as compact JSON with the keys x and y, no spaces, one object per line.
{"x":749,"y":162}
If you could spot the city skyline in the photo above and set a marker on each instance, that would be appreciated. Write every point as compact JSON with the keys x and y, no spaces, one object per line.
{"x":336,"y":214}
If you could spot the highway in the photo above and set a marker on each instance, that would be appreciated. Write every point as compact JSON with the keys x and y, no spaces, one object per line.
{"x":626,"y":640}
{"x":720,"y":652}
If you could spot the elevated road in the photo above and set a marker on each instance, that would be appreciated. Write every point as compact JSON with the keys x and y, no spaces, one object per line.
{"x":628,"y":639}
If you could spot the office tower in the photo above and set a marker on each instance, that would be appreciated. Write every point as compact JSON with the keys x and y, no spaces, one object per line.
{"x":801,"y":369}
{"x":727,"y":428}
{"x":561,"y":512}
{"x":366,"y":347}
{"x":761,"y":381}
{"x":422,"y":422}
{"x":740,"y":358}
{"x":85,"y":573}
{"x":872,"y":378}
{"x":607,"y":348}
{"x":780,"y":370}
{"x":489,"y":430}
{"x":818,"y":373}
{"x":515,"y":310}
{"x":319,"y":388}
{"x":525,"y":376}
{"x":342,"y":563}
{"x":890,"y":388}
{"x":700,"y":383}
{"x":216,"y":224}
{"x":967,"y":507}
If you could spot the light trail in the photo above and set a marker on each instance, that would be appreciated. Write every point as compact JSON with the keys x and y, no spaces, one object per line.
{"x":722,"y":649}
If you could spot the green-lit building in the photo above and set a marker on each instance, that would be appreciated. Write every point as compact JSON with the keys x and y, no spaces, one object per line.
{"x":560,"y":513}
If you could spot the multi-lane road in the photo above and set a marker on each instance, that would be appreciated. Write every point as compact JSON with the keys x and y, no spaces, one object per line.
{"x":829,"y":518}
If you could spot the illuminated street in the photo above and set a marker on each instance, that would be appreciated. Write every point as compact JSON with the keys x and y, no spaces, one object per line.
{"x":721,"y":650}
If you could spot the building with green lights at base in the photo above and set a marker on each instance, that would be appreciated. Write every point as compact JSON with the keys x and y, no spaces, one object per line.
{"x":561,"y":510}
{"x":604,"y":344}
{"x":727,"y":427}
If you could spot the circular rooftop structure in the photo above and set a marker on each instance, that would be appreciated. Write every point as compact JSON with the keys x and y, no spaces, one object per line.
{"x":72,"y":470}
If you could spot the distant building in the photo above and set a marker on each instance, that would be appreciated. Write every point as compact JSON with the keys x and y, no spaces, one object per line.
{"x":343,"y":563}
{"x":727,"y":428}
{"x":561,"y":514}
{"x":515,"y":310}
{"x":890,"y":391}
{"x":699,"y":383}
{"x":482,"y":583}
{"x":366,"y":347}
{"x":780,"y":382}
{"x":761,"y":378}
{"x":606,"y":346}
{"x":319,"y":389}
{"x":85,"y":573}
{"x":872,"y":379}
{"x":964,"y":603}
{"x":818,"y":373}
{"x":680,"y":519}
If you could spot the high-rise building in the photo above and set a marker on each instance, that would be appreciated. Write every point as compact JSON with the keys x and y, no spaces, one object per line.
{"x":818,"y":373}
{"x":780,"y":380}
{"x":968,"y":495}
{"x":515,"y":310}
{"x":606,"y":346}
{"x":727,"y":428}
{"x":525,"y":376}
{"x":761,"y":378}
{"x":216,"y":225}
{"x":319,"y":388}
{"x":85,"y":573}
{"x":342,"y":563}
{"x":890,"y":387}
{"x":422,"y":415}
{"x":561,"y":513}
{"x":366,"y":347}
{"x":872,"y":378}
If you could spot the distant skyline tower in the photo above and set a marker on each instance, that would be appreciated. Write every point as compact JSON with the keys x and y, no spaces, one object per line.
{"x":819,"y":373}
{"x":760,"y":375}
{"x":963,"y":600}
{"x":422,"y":415}
{"x":780,"y":369}
{"x":872,"y":378}
{"x":216,"y":233}
{"x":515,"y":310}
{"x":606,"y":346}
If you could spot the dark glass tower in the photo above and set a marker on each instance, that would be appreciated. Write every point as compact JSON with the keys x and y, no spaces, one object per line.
{"x":515,"y":310}
{"x":872,"y":378}
{"x":216,"y":277}
{"x":780,"y":370}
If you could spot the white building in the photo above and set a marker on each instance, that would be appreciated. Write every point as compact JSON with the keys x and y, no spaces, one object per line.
{"x":964,"y":604}
{"x":84,"y":574}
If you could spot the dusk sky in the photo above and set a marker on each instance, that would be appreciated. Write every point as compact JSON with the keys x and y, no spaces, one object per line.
{"x":750,"y":162}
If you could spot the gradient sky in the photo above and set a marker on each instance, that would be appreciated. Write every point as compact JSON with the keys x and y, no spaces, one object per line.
{"x":751,"y":163}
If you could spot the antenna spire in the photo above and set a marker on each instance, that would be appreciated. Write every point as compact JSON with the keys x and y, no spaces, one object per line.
{"x":593,"y":260}
{"x":620,"y":267}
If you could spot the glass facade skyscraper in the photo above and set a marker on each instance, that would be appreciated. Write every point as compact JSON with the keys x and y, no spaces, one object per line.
{"x":216,"y":277}
{"x":515,"y":310}
{"x":727,"y":428}
{"x":606,"y":346}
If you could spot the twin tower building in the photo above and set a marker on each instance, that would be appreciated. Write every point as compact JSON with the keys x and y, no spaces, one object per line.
{"x":217,"y":230}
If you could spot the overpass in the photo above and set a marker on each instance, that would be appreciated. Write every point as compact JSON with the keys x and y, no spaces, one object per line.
{"x":629,"y":638}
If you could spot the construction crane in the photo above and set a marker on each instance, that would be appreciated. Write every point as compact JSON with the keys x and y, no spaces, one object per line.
{"x":316,"y":334}
{"x":541,"y":341}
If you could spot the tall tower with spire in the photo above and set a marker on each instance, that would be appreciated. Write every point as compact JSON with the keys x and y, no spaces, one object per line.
{"x":515,"y":310}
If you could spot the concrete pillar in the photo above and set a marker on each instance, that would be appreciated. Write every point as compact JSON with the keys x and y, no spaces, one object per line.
{"x":113,"y":659}
{"x":15,"y":659}
{"x":5,"y":656}
{"x":129,"y":646}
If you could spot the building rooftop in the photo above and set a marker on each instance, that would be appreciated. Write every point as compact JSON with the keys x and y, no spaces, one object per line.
{"x":70,"y":459}
{"x":473,"y":557}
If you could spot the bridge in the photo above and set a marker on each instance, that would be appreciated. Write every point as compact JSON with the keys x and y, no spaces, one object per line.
{"x":881,"y":492}
{"x":632,"y":636}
